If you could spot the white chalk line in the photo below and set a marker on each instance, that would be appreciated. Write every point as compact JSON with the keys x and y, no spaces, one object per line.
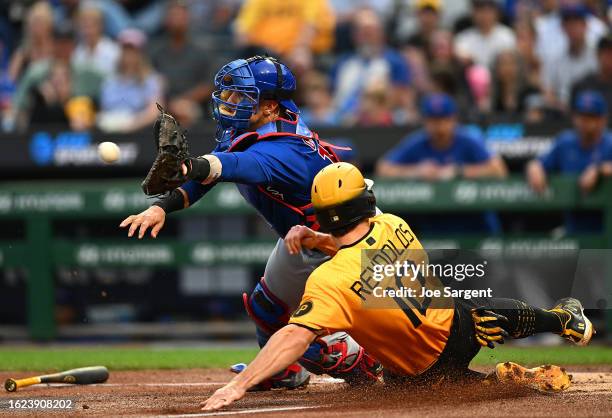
{"x":245,"y":411}
{"x":323,"y":380}
{"x":61,"y":385}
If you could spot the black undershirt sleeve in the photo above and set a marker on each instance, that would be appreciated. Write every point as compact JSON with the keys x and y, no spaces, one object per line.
{"x":172,"y":202}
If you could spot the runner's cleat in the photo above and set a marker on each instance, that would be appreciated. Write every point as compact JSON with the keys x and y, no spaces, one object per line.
{"x":546,"y":378}
{"x":576,"y":326}
{"x":294,"y":377}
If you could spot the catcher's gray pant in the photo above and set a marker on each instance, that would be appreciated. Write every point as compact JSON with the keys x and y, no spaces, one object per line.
{"x":279,"y":294}
{"x":286,"y":274}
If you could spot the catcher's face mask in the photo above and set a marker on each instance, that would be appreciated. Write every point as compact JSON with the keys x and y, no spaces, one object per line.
{"x":236,"y":97}
{"x":232,"y":100}
{"x":241,"y":84}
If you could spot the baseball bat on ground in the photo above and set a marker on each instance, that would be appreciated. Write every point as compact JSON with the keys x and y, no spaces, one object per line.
{"x":82,"y":376}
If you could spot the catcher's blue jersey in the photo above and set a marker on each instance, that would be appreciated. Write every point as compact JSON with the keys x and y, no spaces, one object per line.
{"x":273,"y":169}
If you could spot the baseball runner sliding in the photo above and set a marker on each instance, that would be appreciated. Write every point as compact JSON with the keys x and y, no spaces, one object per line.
{"x":415,"y":342}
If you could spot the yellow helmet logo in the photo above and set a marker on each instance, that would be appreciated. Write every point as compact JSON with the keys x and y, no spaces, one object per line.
{"x":335,"y":184}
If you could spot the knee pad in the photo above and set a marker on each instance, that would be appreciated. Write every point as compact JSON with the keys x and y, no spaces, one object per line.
{"x":267,"y":311}
{"x":339,"y":356}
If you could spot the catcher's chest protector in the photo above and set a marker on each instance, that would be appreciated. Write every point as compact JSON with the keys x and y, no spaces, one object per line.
{"x":286,"y":128}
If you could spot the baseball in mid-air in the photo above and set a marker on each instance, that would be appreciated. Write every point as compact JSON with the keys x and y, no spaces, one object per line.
{"x":109,"y":152}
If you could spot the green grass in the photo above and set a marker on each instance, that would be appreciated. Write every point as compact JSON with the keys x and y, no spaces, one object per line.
{"x":120,"y":358}
{"x":534,"y":356}
{"x":43,"y":359}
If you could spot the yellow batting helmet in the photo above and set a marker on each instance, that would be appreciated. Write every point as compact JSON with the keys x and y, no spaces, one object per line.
{"x":341,"y":197}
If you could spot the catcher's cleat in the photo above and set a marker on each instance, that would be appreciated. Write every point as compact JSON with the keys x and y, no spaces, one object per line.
{"x":576,"y":326}
{"x":546,"y":378}
{"x":238,"y":368}
{"x":367,"y":371}
{"x":294,"y":377}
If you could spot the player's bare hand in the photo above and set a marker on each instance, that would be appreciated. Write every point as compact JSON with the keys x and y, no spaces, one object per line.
{"x":299,"y":237}
{"x":588,"y":179}
{"x":154,"y":218}
{"x":447,"y":172}
{"x":428,"y":170}
{"x":538,"y":184}
{"x":223,"y":397}
{"x":536,"y":177}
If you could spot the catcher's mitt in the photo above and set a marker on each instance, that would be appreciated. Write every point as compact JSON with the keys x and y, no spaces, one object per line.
{"x":172,"y":150}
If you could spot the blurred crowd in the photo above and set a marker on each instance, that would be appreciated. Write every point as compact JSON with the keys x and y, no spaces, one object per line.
{"x":105,"y":63}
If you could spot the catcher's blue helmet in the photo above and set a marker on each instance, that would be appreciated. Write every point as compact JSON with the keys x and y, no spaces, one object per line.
{"x":251,"y":79}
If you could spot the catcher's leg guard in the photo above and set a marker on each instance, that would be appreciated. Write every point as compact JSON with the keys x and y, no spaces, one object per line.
{"x":339,"y":356}
{"x":270,"y":314}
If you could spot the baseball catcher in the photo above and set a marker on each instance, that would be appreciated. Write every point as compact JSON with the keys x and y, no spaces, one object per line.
{"x":272,"y":156}
{"x":415,"y":342}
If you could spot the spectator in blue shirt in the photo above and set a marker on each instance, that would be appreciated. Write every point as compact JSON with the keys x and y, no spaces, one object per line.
{"x":585,"y":151}
{"x":128,"y":98}
{"x":372,"y":62}
{"x":441,"y":151}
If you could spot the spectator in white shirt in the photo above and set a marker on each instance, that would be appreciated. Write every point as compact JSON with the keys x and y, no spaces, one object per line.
{"x":481,"y":43}
{"x":551,"y":40}
{"x":94,"y":51}
{"x":576,"y":61}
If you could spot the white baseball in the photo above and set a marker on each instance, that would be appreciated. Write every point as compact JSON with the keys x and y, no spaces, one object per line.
{"x":109,"y":152}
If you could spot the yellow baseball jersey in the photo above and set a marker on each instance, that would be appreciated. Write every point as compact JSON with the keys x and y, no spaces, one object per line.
{"x":406,"y":334}
{"x":278,"y":24}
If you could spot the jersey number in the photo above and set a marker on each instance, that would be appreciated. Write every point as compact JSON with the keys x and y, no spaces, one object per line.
{"x":408,"y":304}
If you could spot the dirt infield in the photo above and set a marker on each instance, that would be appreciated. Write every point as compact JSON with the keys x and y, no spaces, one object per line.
{"x":178,"y":392}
